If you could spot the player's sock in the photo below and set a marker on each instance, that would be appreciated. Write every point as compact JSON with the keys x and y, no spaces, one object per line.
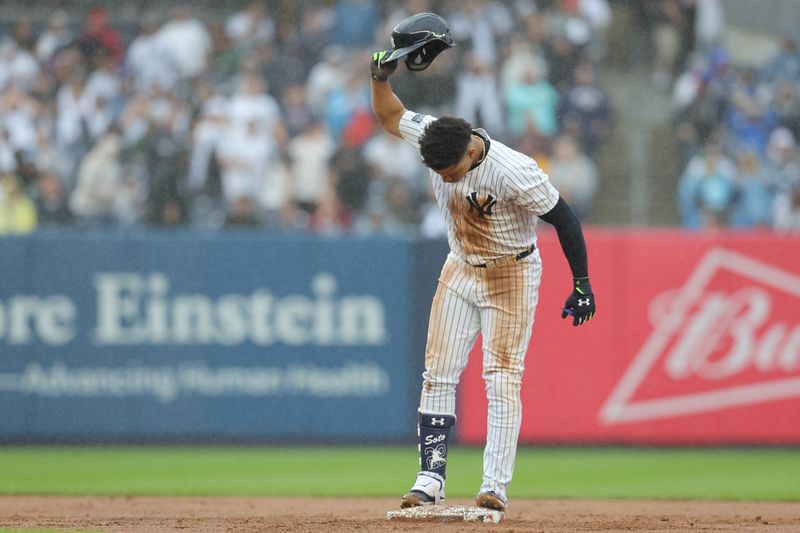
{"x":434,"y":431}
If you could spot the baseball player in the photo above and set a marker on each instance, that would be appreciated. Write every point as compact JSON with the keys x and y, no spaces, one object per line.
{"x":490,"y":196}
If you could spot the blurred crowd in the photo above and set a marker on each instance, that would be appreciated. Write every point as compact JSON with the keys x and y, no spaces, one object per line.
{"x":737,"y":125}
{"x":262,"y":118}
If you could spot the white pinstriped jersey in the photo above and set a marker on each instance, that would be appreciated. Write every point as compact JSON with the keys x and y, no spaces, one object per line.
{"x":508,"y":188}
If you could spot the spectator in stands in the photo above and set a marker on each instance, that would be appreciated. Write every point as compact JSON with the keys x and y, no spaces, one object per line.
{"x":753,"y":204}
{"x":787,"y":209}
{"x":522,"y":57}
{"x":104,"y":86}
{"x":56,"y":35}
{"x":478,"y":99}
{"x":185,"y":87}
{"x":18,"y":64}
{"x":326,"y":76}
{"x":281,"y":67}
{"x":51,"y":203}
{"x":209,"y":130}
{"x":785,"y":66}
{"x":786,"y":106}
{"x":531,"y":105}
{"x":329,"y":217}
{"x":478,"y":25}
{"x":347,"y":103}
{"x":351,"y":176}
{"x":668,"y":20}
{"x":573,"y":174}
{"x":48,"y":158}
{"x":748,"y":122}
{"x":17,"y":211}
{"x":8,"y":159}
{"x":310,"y":39}
{"x":294,"y":110}
{"x":98,"y":37}
{"x":164,"y":154}
{"x":709,"y":24}
{"x":783,"y":160}
{"x":276,"y":212}
{"x":148,"y":61}
{"x":73,"y":110}
{"x":130,"y":201}
{"x":99,"y":179}
{"x":388,"y":155}
{"x":252,"y":106}
{"x":598,"y":13}
{"x":242,"y":214}
{"x":310,"y":154}
{"x":707,"y":189}
{"x":562,"y":57}
{"x":402,"y":203}
{"x":244,"y":156}
{"x":384,"y":200}
{"x":585,"y":110}
{"x":251,"y":27}
{"x":18,"y":116}
{"x":354,"y":23}
{"x":187,"y":41}
{"x":569,"y":21}
{"x":432,"y":224}
{"x":699,"y":121}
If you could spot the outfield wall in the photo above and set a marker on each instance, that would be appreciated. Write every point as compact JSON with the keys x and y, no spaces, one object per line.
{"x":249,"y":337}
{"x":696,"y":341}
{"x":193,"y":336}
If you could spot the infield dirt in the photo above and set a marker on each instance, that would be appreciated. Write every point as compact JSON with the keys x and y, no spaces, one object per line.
{"x":211,"y":514}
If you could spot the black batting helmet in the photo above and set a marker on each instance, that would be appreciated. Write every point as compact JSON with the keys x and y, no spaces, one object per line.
{"x":420,"y":38}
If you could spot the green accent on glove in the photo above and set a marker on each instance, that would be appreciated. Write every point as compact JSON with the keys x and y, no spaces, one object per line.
{"x":378,"y":71}
{"x":582,"y":285}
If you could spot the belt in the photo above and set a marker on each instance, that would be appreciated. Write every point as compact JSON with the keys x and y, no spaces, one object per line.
{"x":508,"y":258}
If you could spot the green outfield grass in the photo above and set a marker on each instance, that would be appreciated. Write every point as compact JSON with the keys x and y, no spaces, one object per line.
{"x":727,"y":474}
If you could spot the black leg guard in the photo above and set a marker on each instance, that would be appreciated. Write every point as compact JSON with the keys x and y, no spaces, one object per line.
{"x":434,"y":432}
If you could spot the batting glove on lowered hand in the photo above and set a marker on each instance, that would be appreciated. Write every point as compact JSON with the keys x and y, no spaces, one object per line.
{"x":379,"y":70}
{"x":580,"y":304}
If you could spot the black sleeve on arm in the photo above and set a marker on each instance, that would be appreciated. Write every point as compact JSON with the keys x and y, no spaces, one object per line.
{"x":570,"y":236}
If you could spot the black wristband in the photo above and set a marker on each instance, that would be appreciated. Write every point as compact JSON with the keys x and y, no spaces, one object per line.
{"x":582,"y":285}
{"x":377,"y":77}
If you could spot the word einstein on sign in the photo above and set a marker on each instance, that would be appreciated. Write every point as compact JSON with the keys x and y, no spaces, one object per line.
{"x":138,"y":309}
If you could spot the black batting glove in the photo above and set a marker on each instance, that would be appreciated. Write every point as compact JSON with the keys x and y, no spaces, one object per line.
{"x":580,"y":304}
{"x":379,"y":70}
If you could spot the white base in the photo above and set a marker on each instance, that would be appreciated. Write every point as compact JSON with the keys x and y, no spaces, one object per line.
{"x":447,"y":513}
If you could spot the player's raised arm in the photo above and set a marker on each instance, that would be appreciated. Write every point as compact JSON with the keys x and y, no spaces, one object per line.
{"x":580,"y":304}
{"x":386,"y":105}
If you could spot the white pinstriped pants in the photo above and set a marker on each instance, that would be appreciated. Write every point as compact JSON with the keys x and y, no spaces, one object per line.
{"x":500,"y":303}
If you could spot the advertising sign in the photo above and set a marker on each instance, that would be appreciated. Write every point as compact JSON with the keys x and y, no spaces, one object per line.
{"x":696,"y":340}
{"x":196,"y":336}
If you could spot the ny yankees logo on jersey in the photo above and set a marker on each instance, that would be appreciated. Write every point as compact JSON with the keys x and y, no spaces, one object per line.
{"x":484,"y":208}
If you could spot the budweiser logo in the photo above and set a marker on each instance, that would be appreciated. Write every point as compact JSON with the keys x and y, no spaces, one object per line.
{"x":730,"y":337}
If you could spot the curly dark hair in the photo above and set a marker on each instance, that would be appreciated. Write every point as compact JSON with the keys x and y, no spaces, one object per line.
{"x":445,"y":142}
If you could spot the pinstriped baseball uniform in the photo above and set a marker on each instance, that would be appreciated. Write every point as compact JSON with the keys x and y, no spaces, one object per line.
{"x":491,"y":214}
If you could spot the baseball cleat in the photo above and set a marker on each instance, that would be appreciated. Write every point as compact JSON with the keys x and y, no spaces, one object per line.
{"x":416,"y":498}
{"x":490,"y":500}
{"x":427,"y":490}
